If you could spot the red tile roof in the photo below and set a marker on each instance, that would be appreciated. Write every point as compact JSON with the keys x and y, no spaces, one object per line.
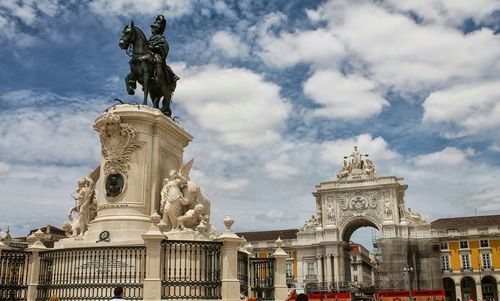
{"x":466,"y":222}
{"x":269,"y":235}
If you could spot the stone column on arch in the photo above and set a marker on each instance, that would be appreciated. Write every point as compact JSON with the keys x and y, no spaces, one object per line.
{"x":320,"y":268}
{"x":300,"y":271}
{"x":329,"y":274}
{"x":336,"y":268}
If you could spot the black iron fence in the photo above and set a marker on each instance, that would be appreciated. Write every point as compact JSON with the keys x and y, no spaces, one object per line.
{"x":190,"y":270}
{"x":262,"y":278}
{"x":92,"y":273}
{"x":243,"y":271}
{"x":14,"y":275}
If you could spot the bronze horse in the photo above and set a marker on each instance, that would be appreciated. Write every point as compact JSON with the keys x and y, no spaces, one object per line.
{"x":142,"y":70}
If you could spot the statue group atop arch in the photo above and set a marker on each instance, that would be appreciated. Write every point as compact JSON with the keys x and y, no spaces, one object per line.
{"x":356,"y":167}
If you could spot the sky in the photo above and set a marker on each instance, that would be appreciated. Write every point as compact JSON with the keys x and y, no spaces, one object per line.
{"x":275,"y":93}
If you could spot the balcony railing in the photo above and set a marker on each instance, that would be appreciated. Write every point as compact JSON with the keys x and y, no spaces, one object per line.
{"x":311,"y":276}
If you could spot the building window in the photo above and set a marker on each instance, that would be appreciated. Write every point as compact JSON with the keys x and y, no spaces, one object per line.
{"x":465,"y":262}
{"x":445,"y":263}
{"x":311,"y":270}
{"x":484,"y":243}
{"x":486,"y":259}
{"x":354,"y":267}
{"x":288,"y":269}
{"x":464,"y":244}
{"x":443,"y":245}
{"x":354,"y":258}
{"x":355,"y":278}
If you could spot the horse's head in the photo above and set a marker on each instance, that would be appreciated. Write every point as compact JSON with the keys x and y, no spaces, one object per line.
{"x":127,"y":37}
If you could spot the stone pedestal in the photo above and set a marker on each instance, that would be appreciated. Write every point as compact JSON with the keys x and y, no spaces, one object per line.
{"x":152,"y":240}
{"x":280,"y":288}
{"x":139,"y":147}
{"x":230,"y":284}
{"x":34,"y":267}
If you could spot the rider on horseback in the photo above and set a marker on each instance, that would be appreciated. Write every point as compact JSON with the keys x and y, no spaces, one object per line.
{"x":159,"y":46}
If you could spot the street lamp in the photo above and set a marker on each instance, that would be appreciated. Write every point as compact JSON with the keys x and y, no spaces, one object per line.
{"x":407,"y":270}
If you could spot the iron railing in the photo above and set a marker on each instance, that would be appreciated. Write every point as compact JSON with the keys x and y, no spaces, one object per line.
{"x":328,"y":287}
{"x":262,"y":278}
{"x":92,"y":273}
{"x":190,"y":270}
{"x":243,"y":271}
{"x":14,"y":275}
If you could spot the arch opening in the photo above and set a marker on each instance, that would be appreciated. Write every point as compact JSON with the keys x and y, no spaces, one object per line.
{"x":358,"y":237}
{"x":468,"y":285}
{"x":489,"y":288}
{"x":449,"y":289}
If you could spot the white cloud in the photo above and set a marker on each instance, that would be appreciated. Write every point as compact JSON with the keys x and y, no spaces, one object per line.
{"x":450,"y":156}
{"x":169,"y":8}
{"x":453,"y":12}
{"x":495,"y":147}
{"x":15,"y":16}
{"x":276,"y":215}
{"x":314,"y":46}
{"x":471,"y":107}
{"x":230,"y":45}
{"x":389,"y":47}
{"x":225,"y":186}
{"x":4,"y":168}
{"x":237,"y":104}
{"x":401,"y":53}
{"x":349,"y":97}
{"x":280,"y":168}
{"x":61,"y":133}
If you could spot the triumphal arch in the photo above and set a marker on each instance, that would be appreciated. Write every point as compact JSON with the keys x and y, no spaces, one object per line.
{"x":360,"y":198}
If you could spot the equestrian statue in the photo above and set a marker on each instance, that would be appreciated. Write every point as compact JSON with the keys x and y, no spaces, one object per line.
{"x":148,"y":64}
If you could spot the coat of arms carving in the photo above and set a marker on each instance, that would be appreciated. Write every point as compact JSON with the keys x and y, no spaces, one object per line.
{"x":118,"y":141}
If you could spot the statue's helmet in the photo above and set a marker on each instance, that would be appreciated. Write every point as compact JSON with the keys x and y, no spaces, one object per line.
{"x":160,"y":23}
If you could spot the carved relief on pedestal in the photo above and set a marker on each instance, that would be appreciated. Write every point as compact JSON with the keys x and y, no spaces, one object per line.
{"x":118,"y":142}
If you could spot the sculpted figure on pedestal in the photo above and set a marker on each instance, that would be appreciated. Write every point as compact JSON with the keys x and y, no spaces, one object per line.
{"x":413,"y":217}
{"x":191,"y":218}
{"x":344,"y":172}
{"x":310,"y":224}
{"x":388,"y":210}
{"x":356,"y":159}
{"x":369,"y":168}
{"x":330,"y":214}
{"x":148,"y":64}
{"x":172,"y":199}
{"x":182,"y":202}
{"x":86,"y":208}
